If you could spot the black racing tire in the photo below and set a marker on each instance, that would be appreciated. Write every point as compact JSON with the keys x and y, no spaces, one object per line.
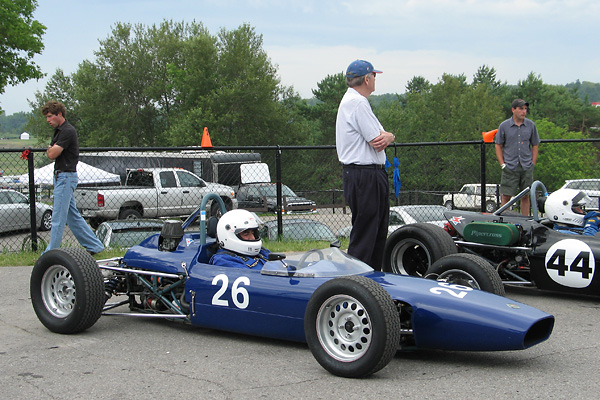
{"x":352,"y":326}
{"x":411,"y":249}
{"x":130,"y":213}
{"x":67,"y":290}
{"x":449,"y":205}
{"x":467,"y":270}
{"x":490,"y":206}
{"x":46,"y":223}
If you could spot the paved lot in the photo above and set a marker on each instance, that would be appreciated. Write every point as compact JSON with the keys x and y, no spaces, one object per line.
{"x":124,"y":358}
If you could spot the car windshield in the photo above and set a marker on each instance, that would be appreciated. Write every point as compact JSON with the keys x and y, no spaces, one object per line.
{"x":426,"y":214}
{"x":329,"y":262}
{"x":271,"y":191}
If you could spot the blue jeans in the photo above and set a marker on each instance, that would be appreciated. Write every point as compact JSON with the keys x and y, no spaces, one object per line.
{"x":65,"y":212}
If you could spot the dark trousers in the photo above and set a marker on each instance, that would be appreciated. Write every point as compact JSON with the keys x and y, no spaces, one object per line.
{"x":367,"y":192}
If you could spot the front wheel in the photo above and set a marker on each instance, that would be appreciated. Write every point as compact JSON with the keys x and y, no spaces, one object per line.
{"x":67,"y":290}
{"x":352,"y":326}
{"x":412,"y":248}
{"x":467,"y":270}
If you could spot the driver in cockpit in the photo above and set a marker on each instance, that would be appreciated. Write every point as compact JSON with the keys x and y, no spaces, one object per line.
{"x":239,"y":241}
{"x":566,"y":208}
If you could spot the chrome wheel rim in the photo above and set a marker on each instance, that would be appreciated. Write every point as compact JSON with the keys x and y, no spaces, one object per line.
{"x":344,"y":328}
{"x":58,"y":291}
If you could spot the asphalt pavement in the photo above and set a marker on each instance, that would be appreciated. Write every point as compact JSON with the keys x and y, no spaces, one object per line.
{"x":134,"y":358}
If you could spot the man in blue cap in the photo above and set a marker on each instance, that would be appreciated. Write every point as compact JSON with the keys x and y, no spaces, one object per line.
{"x":360,"y":143}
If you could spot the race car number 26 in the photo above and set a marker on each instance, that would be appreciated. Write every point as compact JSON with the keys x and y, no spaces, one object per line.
{"x":239,"y":294}
{"x":571,"y":263}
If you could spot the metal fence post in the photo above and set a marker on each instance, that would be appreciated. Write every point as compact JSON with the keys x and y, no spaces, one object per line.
{"x":279,"y":192}
{"x":32,"y":216}
{"x":483,"y":177}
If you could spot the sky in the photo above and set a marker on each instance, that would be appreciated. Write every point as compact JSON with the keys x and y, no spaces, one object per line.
{"x":310,"y":39}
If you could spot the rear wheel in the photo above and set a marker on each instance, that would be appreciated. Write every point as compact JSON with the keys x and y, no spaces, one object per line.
{"x":130,"y":213}
{"x":46,"y":221}
{"x":67,"y":290}
{"x":412,"y":248}
{"x":467,"y":270}
{"x":490,"y":206}
{"x":352,"y":326}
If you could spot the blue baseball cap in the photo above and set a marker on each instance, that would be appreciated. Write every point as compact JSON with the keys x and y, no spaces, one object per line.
{"x":360,"y":68}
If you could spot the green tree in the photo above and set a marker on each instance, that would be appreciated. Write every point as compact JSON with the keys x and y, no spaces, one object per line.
{"x":329,"y":92}
{"x":418,"y":84}
{"x":560,"y":161}
{"x":20,"y":41}
{"x":245,"y":104}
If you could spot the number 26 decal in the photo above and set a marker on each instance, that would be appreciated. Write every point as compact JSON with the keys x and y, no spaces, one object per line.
{"x":239,"y":294}
{"x":458,"y":291}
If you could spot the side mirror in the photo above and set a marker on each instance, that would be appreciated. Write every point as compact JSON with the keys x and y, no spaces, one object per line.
{"x":170,"y":235}
{"x":275,"y":256}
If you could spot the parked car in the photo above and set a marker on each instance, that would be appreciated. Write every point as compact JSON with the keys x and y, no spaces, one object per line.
{"x":15,"y":212}
{"x":353,"y":318}
{"x":404,"y":215}
{"x":486,"y":251}
{"x":298,"y":229}
{"x":254,"y":195}
{"x":125,"y":233}
{"x":469,"y":198}
{"x":591,"y":187}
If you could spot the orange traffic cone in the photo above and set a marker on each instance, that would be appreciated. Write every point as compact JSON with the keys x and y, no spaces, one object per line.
{"x":205,"y":139}
{"x":488,"y":137}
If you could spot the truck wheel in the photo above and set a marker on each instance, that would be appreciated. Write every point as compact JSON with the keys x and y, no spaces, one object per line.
{"x":352,"y":326}
{"x":467,"y":270}
{"x":67,"y":290}
{"x":215,"y":209}
{"x":130,"y":213}
{"x":411,"y":249}
{"x":490,"y":206}
{"x":95,"y":222}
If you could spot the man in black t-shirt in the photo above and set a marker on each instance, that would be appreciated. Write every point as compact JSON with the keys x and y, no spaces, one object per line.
{"x":64,"y":150}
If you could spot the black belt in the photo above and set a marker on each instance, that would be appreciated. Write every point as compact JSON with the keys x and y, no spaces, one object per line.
{"x":365,"y":166}
{"x":58,"y":171}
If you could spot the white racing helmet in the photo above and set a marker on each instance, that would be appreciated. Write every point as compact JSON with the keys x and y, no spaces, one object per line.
{"x":567,"y":206}
{"x":231,"y":224}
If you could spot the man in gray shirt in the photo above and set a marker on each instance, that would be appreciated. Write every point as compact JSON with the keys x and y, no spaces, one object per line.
{"x":517,"y":144}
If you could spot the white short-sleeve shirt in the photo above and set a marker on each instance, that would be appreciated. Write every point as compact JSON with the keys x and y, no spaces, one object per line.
{"x":355,"y":127}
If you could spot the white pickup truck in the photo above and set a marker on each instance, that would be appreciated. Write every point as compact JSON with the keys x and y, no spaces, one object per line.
{"x":469,"y":198}
{"x":151,"y":193}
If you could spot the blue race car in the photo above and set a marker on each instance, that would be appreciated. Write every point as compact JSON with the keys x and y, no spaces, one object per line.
{"x":353,"y":318}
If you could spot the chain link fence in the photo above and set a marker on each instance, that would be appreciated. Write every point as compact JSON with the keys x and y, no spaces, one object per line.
{"x":296,"y":191}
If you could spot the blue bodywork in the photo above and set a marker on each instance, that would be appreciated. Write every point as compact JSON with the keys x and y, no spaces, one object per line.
{"x":271,"y":302}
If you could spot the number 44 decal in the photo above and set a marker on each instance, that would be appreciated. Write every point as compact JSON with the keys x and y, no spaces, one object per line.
{"x":571,"y":263}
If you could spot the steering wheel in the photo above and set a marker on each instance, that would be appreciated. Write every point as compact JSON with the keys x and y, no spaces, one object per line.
{"x":308,"y":253}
